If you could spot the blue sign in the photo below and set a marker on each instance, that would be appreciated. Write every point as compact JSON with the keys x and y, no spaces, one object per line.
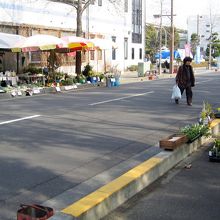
{"x":166,"y":54}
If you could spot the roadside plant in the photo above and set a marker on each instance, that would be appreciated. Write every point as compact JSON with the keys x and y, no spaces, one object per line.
{"x":88,"y":71}
{"x":215,"y":150}
{"x":67,"y":82}
{"x":206,"y":114}
{"x":195,"y":130}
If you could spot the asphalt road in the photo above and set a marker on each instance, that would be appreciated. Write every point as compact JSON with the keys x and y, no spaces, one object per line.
{"x":182,"y":194}
{"x":53,"y":142}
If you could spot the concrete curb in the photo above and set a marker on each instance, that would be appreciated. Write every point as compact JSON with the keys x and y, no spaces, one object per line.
{"x":108,"y":197}
{"x":51,"y":90}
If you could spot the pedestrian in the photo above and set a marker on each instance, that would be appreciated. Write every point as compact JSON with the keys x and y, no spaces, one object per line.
{"x":185,"y":79}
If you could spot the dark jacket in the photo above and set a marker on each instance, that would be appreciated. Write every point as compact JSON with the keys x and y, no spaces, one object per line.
{"x":185,"y":76}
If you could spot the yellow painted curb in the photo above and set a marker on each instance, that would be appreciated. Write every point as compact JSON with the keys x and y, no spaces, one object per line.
{"x":214,"y":123}
{"x":95,"y":198}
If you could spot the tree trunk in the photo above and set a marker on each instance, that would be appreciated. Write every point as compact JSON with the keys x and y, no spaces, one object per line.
{"x":79,"y":34}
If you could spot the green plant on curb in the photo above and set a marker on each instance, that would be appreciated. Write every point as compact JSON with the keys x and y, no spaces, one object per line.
{"x":217,"y":144}
{"x":67,"y":82}
{"x":81,"y":78}
{"x":195,"y":130}
{"x":215,"y":150}
{"x":88,"y":71}
{"x":206,"y":114}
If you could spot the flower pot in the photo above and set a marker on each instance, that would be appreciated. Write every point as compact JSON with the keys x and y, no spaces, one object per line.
{"x":213,"y":157}
{"x":217,"y":115}
{"x":193,"y":139}
{"x":173,"y":141}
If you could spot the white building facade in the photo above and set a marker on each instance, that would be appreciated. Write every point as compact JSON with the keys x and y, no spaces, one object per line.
{"x":203,"y":25}
{"x":122,"y":22}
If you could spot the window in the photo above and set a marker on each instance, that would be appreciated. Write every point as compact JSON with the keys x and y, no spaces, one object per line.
{"x":99,"y":2}
{"x":99,"y":54}
{"x":126,"y":48}
{"x":35,"y":57}
{"x":92,"y":55}
{"x":126,"y":6}
{"x":113,"y":49}
{"x":140,"y":53}
{"x":132,"y":53}
{"x":136,"y":21}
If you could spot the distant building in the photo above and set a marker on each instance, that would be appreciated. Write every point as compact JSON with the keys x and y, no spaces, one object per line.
{"x":182,"y":39}
{"x":124,"y":24}
{"x":201,"y":25}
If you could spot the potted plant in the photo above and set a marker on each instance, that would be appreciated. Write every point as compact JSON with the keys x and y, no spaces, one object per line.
{"x":206,"y":114}
{"x":214,"y":153}
{"x":195,"y":131}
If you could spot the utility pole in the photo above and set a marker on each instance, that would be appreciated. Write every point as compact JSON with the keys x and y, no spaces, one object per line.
{"x":171,"y":34}
{"x":87,"y":29}
{"x":160,"y":37}
{"x":210,"y":42}
{"x":172,"y":40}
{"x":197,"y":25}
{"x":210,"y":48}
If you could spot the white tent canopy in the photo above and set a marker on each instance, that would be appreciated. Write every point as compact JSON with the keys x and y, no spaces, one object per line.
{"x":38,"y":42}
{"x":8,"y":40}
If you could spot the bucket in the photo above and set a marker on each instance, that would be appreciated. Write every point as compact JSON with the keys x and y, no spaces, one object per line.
{"x":34,"y":212}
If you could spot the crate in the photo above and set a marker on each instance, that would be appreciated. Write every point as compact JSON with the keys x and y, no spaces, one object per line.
{"x":173,"y":141}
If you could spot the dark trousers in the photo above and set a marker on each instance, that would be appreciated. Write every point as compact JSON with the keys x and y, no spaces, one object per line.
{"x":189,"y":93}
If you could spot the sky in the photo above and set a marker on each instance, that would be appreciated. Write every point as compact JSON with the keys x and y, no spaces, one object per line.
{"x":182,"y":9}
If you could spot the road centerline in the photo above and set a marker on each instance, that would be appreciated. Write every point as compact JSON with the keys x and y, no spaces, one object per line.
{"x":19,"y":119}
{"x":117,"y":99}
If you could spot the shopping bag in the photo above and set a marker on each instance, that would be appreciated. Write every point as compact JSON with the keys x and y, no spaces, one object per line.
{"x":34,"y":212}
{"x":176,"y":93}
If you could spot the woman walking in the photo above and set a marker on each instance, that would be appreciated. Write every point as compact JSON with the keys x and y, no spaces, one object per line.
{"x":185,"y":79}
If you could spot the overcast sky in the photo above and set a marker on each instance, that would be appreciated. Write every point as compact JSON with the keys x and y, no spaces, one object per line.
{"x":182,"y":9}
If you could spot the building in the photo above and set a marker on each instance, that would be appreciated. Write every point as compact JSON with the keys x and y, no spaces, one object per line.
{"x":122,"y":22}
{"x":203,"y":26}
{"x":182,"y":39}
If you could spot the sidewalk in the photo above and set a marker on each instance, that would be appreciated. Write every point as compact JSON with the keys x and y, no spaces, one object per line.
{"x":131,"y":77}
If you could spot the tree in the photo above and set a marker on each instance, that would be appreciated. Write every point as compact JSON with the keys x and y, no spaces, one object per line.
{"x":80,"y":6}
{"x":176,"y":38}
{"x":194,"y":41}
{"x":151,"y":44}
{"x":152,"y":39}
{"x":215,"y":44}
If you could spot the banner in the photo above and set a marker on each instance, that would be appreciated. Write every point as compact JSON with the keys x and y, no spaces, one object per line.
{"x":198,"y":55}
{"x":187,"y":50}
{"x":218,"y":62}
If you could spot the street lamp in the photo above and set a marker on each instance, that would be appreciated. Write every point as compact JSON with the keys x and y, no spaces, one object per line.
{"x":165,"y":33}
{"x":160,"y":34}
{"x":198,"y":55}
{"x":210,"y":48}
